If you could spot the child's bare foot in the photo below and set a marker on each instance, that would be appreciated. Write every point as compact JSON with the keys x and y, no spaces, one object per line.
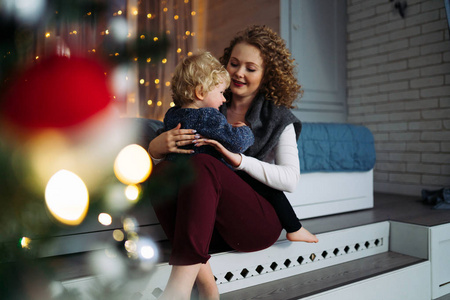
{"x":302,"y":235}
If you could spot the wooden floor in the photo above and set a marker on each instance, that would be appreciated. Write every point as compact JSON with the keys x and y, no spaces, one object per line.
{"x":387,"y":207}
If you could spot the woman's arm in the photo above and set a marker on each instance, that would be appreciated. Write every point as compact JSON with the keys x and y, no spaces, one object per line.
{"x":169,"y":141}
{"x":285,"y":173}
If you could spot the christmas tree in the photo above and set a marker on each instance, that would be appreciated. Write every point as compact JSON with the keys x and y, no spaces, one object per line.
{"x":69,"y":72}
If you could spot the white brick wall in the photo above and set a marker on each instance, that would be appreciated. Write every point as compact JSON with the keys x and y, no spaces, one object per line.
{"x":398,"y":83}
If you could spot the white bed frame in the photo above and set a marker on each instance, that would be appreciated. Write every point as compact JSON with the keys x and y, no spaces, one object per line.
{"x":322,"y":193}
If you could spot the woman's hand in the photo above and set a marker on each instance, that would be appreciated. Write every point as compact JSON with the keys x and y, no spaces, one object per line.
{"x":234,"y":159}
{"x":169,"y":141}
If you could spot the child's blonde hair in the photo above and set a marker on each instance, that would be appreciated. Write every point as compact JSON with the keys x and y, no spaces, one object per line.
{"x":200,"y":70}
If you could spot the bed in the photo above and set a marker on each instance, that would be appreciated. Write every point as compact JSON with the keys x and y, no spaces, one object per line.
{"x":336,"y":166}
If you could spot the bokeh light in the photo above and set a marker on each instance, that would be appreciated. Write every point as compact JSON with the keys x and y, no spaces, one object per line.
{"x":25,"y":242}
{"x":119,"y":29}
{"x":25,"y":11}
{"x":130,"y":225}
{"x":105,"y":219}
{"x":67,"y":198}
{"x":109,"y":264}
{"x":118,"y":235}
{"x":132,"y":192}
{"x":132,"y":165}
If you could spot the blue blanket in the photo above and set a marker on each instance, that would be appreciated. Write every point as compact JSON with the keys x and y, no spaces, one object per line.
{"x":330,"y":147}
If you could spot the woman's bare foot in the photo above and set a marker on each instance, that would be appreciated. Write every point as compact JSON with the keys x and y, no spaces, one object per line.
{"x":302,"y":235}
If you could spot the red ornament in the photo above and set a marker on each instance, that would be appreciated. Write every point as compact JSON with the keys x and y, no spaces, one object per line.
{"x":57,"y":92}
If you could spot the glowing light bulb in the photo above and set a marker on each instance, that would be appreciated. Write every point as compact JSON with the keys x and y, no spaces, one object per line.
{"x":159,"y":103}
{"x":149,"y":16}
{"x":149,"y":102}
{"x":172,"y":104}
{"x":164,"y":60}
{"x":47,"y":35}
{"x":142,"y":81}
{"x":67,"y":197}
{"x":132,"y":164}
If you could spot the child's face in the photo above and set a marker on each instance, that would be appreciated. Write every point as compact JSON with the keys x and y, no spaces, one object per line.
{"x":215,"y":98}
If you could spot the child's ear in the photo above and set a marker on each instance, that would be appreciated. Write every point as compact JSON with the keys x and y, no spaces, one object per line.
{"x":199,"y":93}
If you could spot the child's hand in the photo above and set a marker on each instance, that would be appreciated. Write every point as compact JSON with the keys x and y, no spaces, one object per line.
{"x":239,"y":124}
{"x":234,"y":159}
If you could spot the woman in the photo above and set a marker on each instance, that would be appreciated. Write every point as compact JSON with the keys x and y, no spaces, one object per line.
{"x":263,"y":89}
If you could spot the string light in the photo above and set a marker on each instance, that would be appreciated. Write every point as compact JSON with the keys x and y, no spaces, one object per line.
{"x":179,"y":50}
{"x":119,"y":12}
{"x":155,"y":38}
{"x":149,"y":59}
{"x":142,"y":81}
{"x":188,"y":32}
{"x":135,"y":12}
{"x":159,"y":103}
{"x":149,"y":16}
{"x":176,"y":17}
{"x":142,"y":37}
{"x":167,"y":83}
{"x":149,"y":102}
{"x":164,"y":60}
{"x":156,"y":81}
{"x":193,"y":13}
{"x":165,"y":9}
{"x":47,"y":35}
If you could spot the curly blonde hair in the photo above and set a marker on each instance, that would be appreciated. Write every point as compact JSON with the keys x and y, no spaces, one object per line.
{"x":279,"y":82}
{"x":198,"y":70}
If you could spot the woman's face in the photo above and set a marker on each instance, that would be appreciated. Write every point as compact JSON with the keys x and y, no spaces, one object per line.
{"x":246,"y":70}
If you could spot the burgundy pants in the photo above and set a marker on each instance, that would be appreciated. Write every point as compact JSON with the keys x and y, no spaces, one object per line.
{"x":217,"y":199}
